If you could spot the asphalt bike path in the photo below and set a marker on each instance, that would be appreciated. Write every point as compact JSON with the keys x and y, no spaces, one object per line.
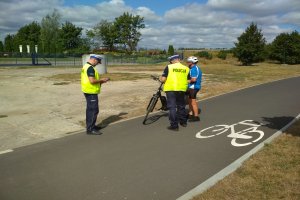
{"x":135,"y":161}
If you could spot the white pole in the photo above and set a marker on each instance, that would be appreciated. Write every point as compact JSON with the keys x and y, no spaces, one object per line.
{"x":28,"y":49}
{"x":21,"y":48}
{"x":36,"y":48}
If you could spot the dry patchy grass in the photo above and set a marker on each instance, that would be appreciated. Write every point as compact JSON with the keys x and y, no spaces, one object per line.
{"x":272,"y":173}
{"x":221,"y":76}
{"x":61,"y":79}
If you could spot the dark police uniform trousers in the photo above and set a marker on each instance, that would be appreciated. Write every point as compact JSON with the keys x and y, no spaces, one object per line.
{"x":92,"y":110}
{"x":176,"y":106}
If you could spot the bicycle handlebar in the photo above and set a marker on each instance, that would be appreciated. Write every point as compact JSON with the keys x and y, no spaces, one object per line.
{"x":156,"y":78}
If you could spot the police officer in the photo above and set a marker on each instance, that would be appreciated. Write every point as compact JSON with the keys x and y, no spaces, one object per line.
{"x":91,"y":86}
{"x":175,"y":77}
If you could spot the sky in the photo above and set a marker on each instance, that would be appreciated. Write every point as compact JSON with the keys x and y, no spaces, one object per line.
{"x":182,"y":23}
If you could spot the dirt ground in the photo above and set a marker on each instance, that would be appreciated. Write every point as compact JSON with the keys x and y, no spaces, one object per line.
{"x":39,"y":104}
{"x":35,"y":108}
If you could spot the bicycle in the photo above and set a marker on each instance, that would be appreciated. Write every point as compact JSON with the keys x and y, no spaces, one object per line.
{"x":154,"y":99}
{"x":238,"y":138}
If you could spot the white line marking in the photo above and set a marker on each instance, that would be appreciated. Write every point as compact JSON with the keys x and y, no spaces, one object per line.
{"x":233,"y":166}
{"x":6,"y":151}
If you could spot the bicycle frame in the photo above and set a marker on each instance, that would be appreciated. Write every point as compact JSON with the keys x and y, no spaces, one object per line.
{"x":154,"y":99}
{"x":240,"y":134}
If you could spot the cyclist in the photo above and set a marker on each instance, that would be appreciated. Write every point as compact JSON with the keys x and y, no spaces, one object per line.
{"x":175,"y":77}
{"x":194,"y":86}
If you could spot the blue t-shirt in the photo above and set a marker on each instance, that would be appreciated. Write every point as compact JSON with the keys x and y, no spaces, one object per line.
{"x":195,"y":72}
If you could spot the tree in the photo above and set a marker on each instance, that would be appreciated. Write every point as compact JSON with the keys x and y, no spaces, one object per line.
{"x":124,"y":31}
{"x":250,"y":45}
{"x":1,"y":46}
{"x":286,"y":48}
{"x":127,"y":26}
{"x":106,"y":33}
{"x":171,"y":50}
{"x":28,"y":35}
{"x":84,"y":45}
{"x":50,"y":25}
{"x":70,"y":36}
{"x":9,"y":43}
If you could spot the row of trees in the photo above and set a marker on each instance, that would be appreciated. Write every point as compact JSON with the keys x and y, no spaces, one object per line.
{"x":251,"y":47}
{"x":123,"y":33}
{"x":52,"y":36}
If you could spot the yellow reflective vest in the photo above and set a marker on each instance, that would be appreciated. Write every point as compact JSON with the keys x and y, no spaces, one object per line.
{"x":177,"y":79}
{"x":86,"y":86}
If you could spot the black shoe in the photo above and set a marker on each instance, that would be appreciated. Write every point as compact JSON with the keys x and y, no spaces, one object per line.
{"x":194,"y":119}
{"x":171,"y":128}
{"x":189,"y":116}
{"x":97,"y":128}
{"x":93,"y":132}
{"x":183,"y":124}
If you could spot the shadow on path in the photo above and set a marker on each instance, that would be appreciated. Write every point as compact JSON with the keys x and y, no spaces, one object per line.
{"x":278,"y":123}
{"x":111,"y":119}
{"x":155,"y":118}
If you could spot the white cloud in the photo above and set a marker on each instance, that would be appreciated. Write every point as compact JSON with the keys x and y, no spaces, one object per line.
{"x":291,"y":18}
{"x":16,"y":13}
{"x":219,"y":22}
{"x":215,"y":24}
{"x":256,"y":7}
{"x":149,"y":15}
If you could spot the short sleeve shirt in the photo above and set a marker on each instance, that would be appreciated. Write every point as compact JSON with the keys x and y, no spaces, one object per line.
{"x":91,"y":71}
{"x":195,"y":72}
{"x":166,"y":72}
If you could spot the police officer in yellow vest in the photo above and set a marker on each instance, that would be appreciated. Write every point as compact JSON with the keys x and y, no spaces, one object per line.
{"x":91,"y":86}
{"x":175,"y":77}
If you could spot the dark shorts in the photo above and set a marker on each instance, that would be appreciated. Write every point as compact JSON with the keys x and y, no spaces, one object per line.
{"x":193,"y":93}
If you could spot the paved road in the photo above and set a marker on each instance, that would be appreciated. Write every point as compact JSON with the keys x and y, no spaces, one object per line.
{"x":135,"y":161}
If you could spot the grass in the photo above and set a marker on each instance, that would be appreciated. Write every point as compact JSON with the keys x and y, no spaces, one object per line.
{"x":75,"y":77}
{"x":272,"y":173}
{"x":221,"y":76}
{"x":224,"y":77}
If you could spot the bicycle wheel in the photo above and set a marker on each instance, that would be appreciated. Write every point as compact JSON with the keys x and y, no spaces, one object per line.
{"x":150,"y":107}
{"x":238,"y":142}
{"x":212,"y":131}
{"x":164,"y":104}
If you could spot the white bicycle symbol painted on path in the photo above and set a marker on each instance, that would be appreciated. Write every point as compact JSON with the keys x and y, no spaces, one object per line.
{"x":241,"y":138}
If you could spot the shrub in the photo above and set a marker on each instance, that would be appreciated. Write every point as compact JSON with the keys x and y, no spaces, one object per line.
{"x":204,"y":54}
{"x":222,"y":55}
{"x":286,"y":48}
